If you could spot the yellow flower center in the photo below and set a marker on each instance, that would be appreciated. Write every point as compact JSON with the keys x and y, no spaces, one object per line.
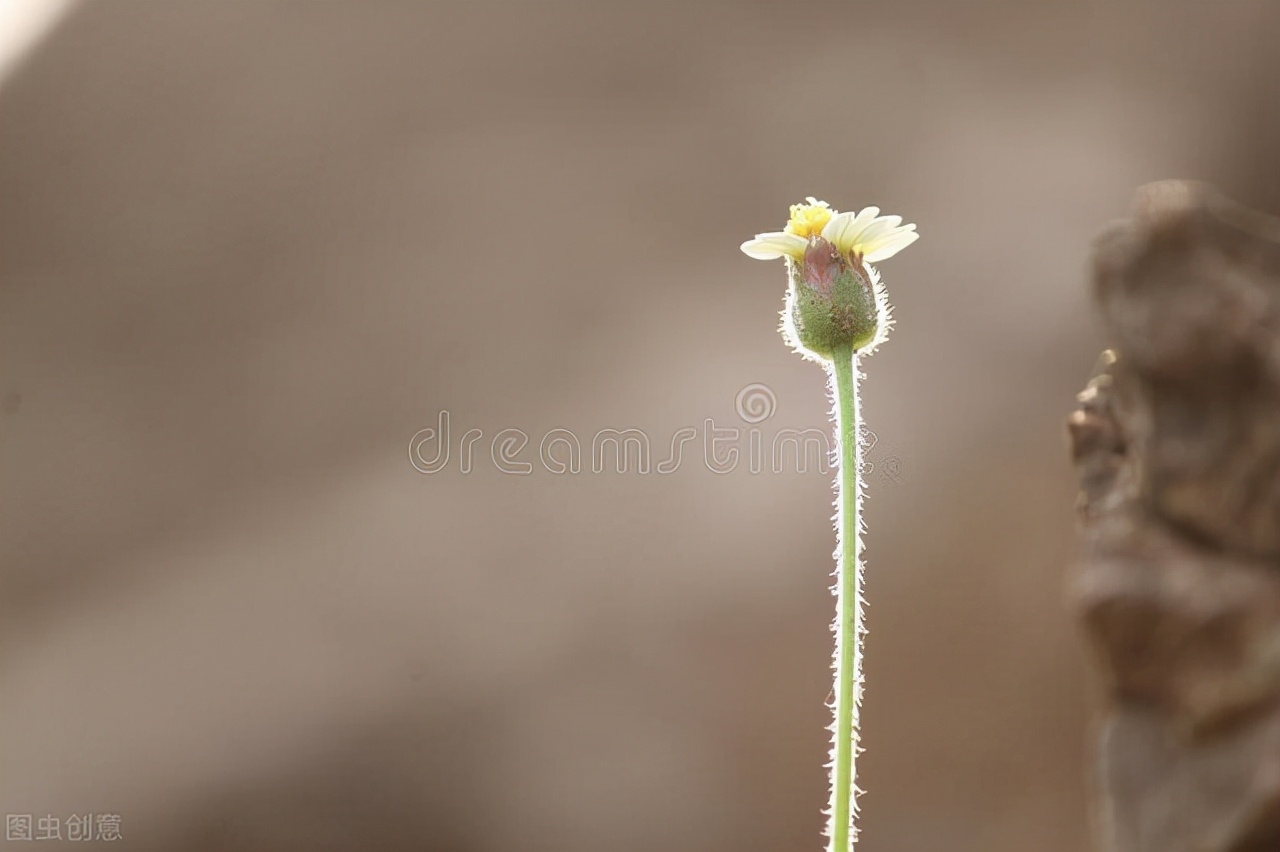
{"x":808,"y":220}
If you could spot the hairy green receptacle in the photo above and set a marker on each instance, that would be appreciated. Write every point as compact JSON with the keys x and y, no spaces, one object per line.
{"x":838,"y":310}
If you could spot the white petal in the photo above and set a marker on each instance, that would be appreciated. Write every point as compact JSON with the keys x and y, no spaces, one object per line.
{"x":860,"y":223}
{"x":774,"y":245}
{"x":839,"y":231}
{"x":885,"y":223}
{"x":877,"y":234}
{"x":865,"y":216}
{"x":871,"y":241}
{"x":891,"y":246}
{"x":878,"y":229}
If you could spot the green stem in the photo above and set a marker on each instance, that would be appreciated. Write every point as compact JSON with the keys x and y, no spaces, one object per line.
{"x":848,"y":623}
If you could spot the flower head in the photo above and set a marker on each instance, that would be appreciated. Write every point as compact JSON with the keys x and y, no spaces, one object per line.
{"x":865,"y":234}
{"x":835,"y":301}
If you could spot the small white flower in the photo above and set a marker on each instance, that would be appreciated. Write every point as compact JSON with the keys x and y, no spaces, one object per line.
{"x":866,"y":234}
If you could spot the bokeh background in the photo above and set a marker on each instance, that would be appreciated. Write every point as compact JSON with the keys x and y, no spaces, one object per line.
{"x":250,"y":249}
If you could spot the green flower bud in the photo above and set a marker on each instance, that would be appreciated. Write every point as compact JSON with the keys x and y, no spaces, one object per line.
{"x":831,"y":301}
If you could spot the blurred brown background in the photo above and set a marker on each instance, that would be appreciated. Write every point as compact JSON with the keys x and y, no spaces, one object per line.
{"x":249,"y":249}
